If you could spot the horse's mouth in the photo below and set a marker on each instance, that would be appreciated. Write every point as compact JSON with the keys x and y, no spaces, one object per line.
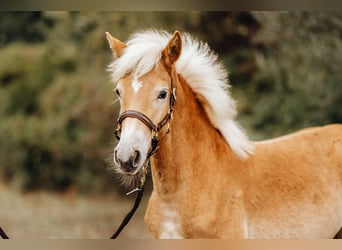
{"x":133,"y":171}
{"x":130,"y":179}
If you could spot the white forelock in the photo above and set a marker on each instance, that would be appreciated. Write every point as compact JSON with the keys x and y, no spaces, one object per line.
{"x":201,"y":69}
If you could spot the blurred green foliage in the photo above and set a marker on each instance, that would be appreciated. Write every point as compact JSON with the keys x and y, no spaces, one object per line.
{"x":56,"y":113}
{"x":298,"y":81}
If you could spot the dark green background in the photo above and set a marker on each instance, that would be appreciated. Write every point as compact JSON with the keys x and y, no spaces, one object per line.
{"x":56,"y":113}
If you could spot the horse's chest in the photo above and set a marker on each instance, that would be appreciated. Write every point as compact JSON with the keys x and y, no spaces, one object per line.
{"x":170,"y":227}
{"x":162,"y":220}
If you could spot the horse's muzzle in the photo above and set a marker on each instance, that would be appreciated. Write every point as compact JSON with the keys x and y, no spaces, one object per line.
{"x":130,"y":165}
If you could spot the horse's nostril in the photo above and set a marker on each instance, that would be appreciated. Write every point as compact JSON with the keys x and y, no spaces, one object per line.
{"x":130,"y":164}
{"x":136,"y":157}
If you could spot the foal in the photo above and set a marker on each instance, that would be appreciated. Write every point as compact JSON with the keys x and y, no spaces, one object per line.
{"x":209,"y":180}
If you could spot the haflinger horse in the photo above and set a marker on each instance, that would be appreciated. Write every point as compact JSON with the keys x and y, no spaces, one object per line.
{"x":209,"y":180}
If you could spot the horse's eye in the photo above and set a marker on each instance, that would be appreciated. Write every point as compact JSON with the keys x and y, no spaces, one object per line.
{"x":162,"y":94}
{"x":117,"y":92}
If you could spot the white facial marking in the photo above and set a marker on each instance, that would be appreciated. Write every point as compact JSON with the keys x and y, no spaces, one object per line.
{"x":136,"y":85}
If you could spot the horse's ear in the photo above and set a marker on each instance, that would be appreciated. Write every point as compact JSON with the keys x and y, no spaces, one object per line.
{"x":116,"y":45}
{"x":173,"y":49}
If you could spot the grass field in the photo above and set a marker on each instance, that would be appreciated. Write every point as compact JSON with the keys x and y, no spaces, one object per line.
{"x":44,"y":215}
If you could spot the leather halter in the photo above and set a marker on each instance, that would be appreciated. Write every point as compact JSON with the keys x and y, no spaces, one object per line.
{"x":155,"y":129}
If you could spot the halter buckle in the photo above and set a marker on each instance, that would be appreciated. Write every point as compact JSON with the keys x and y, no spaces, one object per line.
{"x":154,"y":143}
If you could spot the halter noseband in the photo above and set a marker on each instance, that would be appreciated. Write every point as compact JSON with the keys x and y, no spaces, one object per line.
{"x":148,"y":122}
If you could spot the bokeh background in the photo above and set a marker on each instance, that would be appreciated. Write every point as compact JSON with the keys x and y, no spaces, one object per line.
{"x":58,"y":111}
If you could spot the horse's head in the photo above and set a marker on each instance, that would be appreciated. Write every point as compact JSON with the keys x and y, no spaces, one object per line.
{"x":146,"y":94}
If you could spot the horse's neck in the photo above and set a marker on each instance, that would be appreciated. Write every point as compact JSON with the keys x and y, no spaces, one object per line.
{"x":190,"y":150}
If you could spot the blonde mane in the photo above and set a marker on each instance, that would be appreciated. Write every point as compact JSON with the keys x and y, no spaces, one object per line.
{"x":201,"y":69}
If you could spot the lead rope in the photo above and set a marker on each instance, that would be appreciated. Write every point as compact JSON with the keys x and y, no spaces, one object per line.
{"x":140,"y":191}
{"x":3,"y":234}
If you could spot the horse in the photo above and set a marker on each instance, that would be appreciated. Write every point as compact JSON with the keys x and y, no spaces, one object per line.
{"x":210,"y":180}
